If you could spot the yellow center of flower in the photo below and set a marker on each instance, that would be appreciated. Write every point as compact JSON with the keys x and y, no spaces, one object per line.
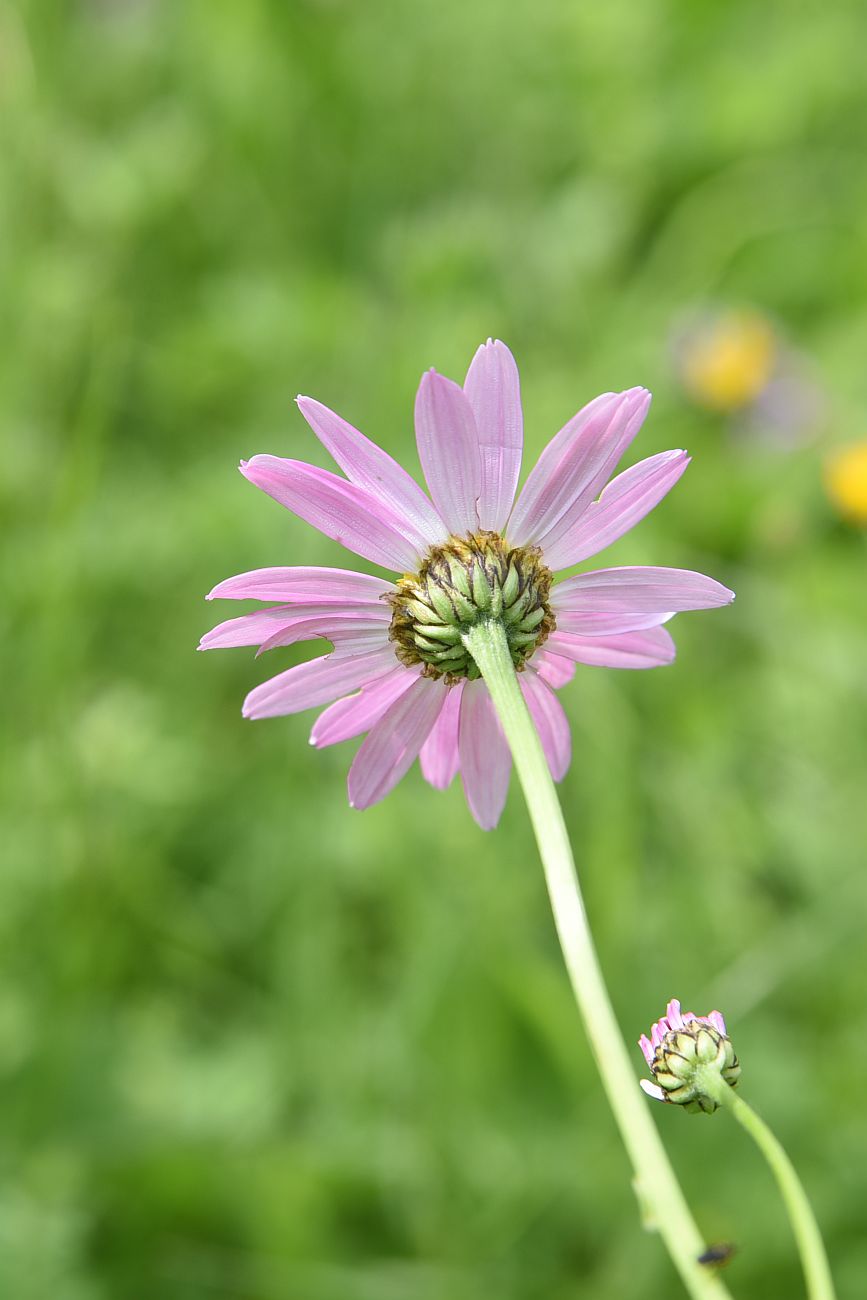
{"x":846,"y":481}
{"x":728,"y":363}
{"x":460,"y":583}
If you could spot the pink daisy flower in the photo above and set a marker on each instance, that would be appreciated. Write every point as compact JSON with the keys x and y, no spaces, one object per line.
{"x":399,"y":670}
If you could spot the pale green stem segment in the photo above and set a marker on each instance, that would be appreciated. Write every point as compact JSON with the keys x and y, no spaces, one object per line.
{"x":658,"y":1191}
{"x":814,"y":1260}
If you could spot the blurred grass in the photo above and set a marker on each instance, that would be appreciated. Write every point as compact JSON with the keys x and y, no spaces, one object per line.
{"x":253,"y":1044}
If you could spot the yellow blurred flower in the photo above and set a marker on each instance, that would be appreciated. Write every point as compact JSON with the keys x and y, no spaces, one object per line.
{"x":846,"y":481}
{"x":728,"y":359}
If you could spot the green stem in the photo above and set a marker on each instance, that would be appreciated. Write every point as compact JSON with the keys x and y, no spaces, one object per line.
{"x":811,"y":1248}
{"x":657,"y":1188}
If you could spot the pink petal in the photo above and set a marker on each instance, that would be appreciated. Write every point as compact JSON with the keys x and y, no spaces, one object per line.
{"x":716,"y":1019}
{"x":317,"y":682}
{"x":348,"y":634}
{"x":647,"y":1048}
{"x":371,"y":468}
{"x":484,"y":754}
{"x":625,"y":501}
{"x":448,"y":447}
{"x":342,"y":511}
{"x":640,"y":590}
{"x":304,"y":585}
{"x":553,"y":669}
{"x":494,"y":393}
{"x":586,"y":624}
{"x":648,"y":649}
{"x":574,"y":466}
{"x":358,"y":713}
{"x":264,"y":624}
{"x":606,"y":455}
{"x":252,"y":629}
{"x":550,"y":721}
{"x":393,"y":745}
{"x":673,"y":1016}
{"x":439,"y":755}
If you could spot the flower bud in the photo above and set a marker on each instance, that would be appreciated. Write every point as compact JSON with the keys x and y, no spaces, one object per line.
{"x":682,"y":1050}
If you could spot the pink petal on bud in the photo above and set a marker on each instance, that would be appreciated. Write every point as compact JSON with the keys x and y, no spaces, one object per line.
{"x":647,"y":1048}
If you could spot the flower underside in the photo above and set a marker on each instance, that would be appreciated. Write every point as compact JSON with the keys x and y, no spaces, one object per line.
{"x":460,"y":583}
{"x":680,"y":1055}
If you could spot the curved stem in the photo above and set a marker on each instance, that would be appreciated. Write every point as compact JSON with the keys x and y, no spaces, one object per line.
{"x":657,"y":1188}
{"x":811,"y":1248}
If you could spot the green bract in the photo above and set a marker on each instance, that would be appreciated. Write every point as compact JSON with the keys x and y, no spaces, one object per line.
{"x":685,"y":1056}
{"x":460,"y":583}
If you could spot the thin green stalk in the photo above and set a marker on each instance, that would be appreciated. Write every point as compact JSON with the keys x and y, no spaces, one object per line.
{"x":657,"y":1188}
{"x":811,"y":1248}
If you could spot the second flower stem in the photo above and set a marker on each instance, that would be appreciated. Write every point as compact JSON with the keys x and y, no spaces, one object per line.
{"x":656,"y":1185}
{"x":810,"y":1245}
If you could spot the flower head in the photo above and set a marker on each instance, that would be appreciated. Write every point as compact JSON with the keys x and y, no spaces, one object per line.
{"x":683,"y":1047}
{"x":726,"y":358}
{"x":399,"y":669}
{"x":846,"y":481}
{"x":735,"y":361}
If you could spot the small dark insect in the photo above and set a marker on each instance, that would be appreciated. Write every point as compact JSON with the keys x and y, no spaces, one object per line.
{"x":718,"y":1255}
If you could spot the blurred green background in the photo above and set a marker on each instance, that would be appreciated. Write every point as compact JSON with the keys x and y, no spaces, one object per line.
{"x":256,"y":1045}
